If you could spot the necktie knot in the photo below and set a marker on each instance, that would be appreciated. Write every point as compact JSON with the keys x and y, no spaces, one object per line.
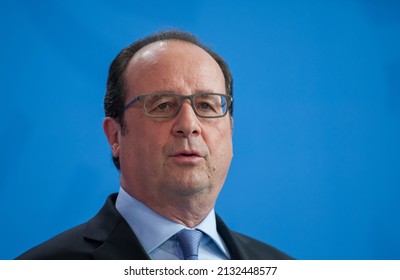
{"x":189,"y":240}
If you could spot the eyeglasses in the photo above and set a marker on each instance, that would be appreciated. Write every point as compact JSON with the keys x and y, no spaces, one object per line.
{"x":167,"y":105}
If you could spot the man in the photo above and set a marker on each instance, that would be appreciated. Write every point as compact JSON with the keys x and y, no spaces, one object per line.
{"x":169,"y":125}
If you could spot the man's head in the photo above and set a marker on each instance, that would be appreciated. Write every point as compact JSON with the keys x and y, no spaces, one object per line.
{"x":116,"y":94}
{"x":179,"y":162}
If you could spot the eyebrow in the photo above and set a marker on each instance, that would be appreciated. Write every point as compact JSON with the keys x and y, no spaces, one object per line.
{"x":174,"y":92}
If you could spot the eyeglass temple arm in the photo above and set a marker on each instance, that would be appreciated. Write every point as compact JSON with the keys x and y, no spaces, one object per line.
{"x":126,"y":106}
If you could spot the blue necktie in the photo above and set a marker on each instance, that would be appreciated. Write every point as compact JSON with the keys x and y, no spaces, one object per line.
{"x":189,"y":240}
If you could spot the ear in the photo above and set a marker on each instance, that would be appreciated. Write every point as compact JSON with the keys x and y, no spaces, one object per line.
{"x":112,"y":128}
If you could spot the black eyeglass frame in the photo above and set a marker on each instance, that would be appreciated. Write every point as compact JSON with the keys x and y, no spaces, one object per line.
{"x":228,"y":98}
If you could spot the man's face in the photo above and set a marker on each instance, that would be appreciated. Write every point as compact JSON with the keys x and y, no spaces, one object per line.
{"x":164,"y":160}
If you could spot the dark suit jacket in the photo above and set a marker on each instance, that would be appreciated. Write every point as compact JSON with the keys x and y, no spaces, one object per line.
{"x":107,"y":236}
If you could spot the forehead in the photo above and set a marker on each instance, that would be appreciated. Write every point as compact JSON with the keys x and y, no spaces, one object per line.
{"x":173,"y":63}
{"x":169,"y":50}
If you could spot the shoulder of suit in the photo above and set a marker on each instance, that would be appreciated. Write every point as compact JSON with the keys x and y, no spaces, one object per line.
{"x":79,"y":241}
{"x":69,"y":245}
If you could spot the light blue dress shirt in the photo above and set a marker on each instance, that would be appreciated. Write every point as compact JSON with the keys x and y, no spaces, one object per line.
{"x":156,"y":233}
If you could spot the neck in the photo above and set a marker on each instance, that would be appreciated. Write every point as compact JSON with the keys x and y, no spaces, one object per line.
{"x":184,"y":205}
{"x":188,"y":210}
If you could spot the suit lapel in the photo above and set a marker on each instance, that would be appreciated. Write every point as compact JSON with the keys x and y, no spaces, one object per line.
{"x":115,"y":239}
{"x":235,"y":250}
{"x":121,"y":244}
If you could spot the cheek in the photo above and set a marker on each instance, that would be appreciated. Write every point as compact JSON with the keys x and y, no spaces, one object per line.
{"x":222,"y":143}
{"x":144,"y":141}
{"x":141,"y":155}
{"x":226,"y":151}
{"x":150,"y":143}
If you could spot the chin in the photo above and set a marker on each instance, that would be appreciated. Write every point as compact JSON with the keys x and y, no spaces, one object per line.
{"x":186,"y":188}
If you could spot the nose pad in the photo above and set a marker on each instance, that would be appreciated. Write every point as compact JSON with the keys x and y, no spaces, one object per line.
{"x":186,"y":121}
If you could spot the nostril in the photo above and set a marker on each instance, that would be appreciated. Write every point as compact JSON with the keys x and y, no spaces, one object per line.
{"x":185,"y":127}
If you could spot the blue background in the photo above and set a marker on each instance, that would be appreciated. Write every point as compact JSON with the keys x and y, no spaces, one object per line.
{"x":316,"y":170}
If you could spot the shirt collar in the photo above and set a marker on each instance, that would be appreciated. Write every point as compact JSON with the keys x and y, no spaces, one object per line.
{"x":152,"y":229}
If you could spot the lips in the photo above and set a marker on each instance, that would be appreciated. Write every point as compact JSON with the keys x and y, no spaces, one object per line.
{"x":186,"y":153}
{"x":187,"y":157}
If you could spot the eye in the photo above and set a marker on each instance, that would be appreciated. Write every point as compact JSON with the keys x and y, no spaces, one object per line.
{"x":205,"y":106}
{"x":160,"y":107}
{"x":163,"y":106}
{"x":208,"y":105}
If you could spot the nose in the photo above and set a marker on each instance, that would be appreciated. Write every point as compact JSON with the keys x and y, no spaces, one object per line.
{"x":186,"y":123}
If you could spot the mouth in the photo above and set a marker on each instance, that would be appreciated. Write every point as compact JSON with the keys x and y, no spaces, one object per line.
{"x":187,"y":153}
{"x":187,"y":157}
